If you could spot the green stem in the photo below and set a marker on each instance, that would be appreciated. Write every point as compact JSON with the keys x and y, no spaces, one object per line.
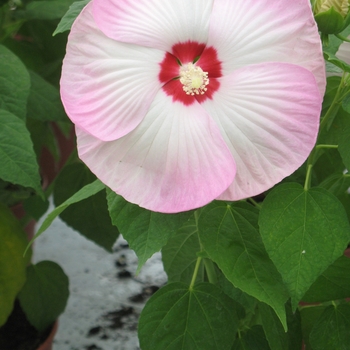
{"x":210,"y":270}
{"x":326,"y":146}
{"x":254,"y":202}
{"x":342,"y":38}
{"x":195,"y":272}
{"x":308,"y":177}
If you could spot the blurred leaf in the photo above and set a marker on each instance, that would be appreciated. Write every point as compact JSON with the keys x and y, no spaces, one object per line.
{"x":14,"y":83}
{"x":304,"y":232}
{"x":146,"y":231}
{"x":44,"y":102}
{"x":337,"y":183}
{"x":336,"y":61}
{"x":45,"y":10}
{"x":333,"y":284}
{"x":309,"y":316}
{"x":17,"y":157}
{"x":275,"y":334}
{"x":89,"y":216}
{"x":253,"y":339}
{"x":87,"y":191}
{"x":346,"y":103}
{"x":179,"y":318}
{"x":179,"y":254}
{"x":35,"y":206}
{"x":229,"y":234}
{"x":44,"y":295}
{"x":68,"y":19}
{"x":331,"y":331}
{"x":12,"y":263}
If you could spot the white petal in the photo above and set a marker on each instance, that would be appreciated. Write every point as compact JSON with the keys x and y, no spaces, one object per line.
{"x":269,"y":116}
{"x":107,"y":87}
{"x":154,"y":23}
{"x":175,"y":160}
{"x":249,"y":32}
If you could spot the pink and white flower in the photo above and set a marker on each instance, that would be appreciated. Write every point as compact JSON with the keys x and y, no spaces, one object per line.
{"x":177,"y":103}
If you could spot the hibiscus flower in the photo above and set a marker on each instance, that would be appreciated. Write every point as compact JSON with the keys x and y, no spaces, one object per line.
{"x":177,"y":103}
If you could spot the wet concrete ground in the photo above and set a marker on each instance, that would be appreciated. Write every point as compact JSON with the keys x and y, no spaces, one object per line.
{"x":106,"y":297}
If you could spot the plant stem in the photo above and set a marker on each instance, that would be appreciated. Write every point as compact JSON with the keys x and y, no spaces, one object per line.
{"x":326,"y":146}
{"x":210,"y":270}
{"x":308,"y":177}
{"x":254,"y":202}
{"x":195,"y":272}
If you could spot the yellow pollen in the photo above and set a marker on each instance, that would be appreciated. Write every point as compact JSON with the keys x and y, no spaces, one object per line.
{"x":194,"y":80}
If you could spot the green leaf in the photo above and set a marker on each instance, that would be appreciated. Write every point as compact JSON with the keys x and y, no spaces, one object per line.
{"x":346,"y":103}
{"x":90,"y":216}
{"x":44,"y":295}
{"x":12,"y":263}
{"x":275,"y":334}
{"x":179,"y":255}
{"x":146,"y":231}
{"x":252,"y":339}
{"x":35,"y":206}
{"x":45,"y":10}
{"x":336,"y":184}
{"x":343,"y":123}
{"x":14,"y":83}
{"x":17,"y":157}
{"x":44,"y":101}
{"x":331,"y":331}
{"x":304,"y":232}
{"x":68,"y":19}
{"x":333,"y":284}
{"x":85,"y":192}
{"x":309,"y":316}
{"x":330,"y":57}
{"x":229,"y":234}
{"x":179,"y":318}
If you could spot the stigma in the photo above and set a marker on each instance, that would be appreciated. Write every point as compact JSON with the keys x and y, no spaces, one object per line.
{"x":194,"y":80}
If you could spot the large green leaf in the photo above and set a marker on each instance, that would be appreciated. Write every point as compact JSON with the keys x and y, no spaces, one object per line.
{"x":89,"y":216}
{"x":334,"y":283}
{"x":309,"y":316}
{"x":44,"y":101}
{"x":68,"y":19}
{"x":17,"y":157}
{"x":229,"y":234}
{"x":14,"y":83}
{"x":252,"y":339}
{"x":179,"y":254}
{"x":146,"y":231}
{"x":332,"y":329}
{"x":304,"y":232}
{"x":46,"y":10}
{"x":275,"y":334}
{"x":44,"y":295}
{"x":13,"y":242}
{"x":179,"y":318}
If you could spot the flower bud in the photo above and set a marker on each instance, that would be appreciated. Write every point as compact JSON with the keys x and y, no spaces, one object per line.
{"x":332,"y":16}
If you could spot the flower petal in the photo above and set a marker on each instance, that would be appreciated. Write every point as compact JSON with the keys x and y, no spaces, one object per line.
{"x":154,"y":23}
{"x":175,"y":160}
{"x":246,"y":32}
{"x":269,"y":116}
{"x":107,"y":87}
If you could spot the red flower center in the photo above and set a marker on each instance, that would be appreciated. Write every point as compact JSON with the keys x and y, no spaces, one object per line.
{"x":190,"y":72}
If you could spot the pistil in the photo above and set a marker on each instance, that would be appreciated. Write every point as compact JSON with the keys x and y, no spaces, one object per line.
{"x":194,"y":80}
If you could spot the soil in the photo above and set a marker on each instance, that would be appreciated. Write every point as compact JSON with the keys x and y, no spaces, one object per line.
{"x":18,"y":334}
